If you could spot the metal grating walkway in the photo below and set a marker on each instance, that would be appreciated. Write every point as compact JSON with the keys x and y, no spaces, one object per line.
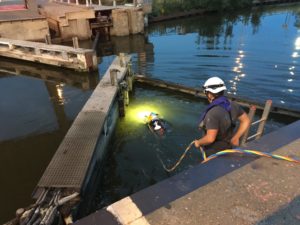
{"x":70,"y":163}
{"x":71,"y":160}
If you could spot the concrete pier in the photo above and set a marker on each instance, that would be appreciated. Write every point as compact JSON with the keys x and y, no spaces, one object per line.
{"x":240,"y":190}
{"x":64,"y":56}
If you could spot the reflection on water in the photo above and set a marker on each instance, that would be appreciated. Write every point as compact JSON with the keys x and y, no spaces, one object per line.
{"x":37,"y":106}
{"x":256,"y":53}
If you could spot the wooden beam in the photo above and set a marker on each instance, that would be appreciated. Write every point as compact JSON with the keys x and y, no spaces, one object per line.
{"x":199,"y":93}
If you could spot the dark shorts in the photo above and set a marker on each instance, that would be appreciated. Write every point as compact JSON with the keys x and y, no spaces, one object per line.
{"x":216,"y":147}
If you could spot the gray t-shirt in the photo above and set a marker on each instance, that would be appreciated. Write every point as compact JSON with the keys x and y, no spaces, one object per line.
{"x":218,"y":118}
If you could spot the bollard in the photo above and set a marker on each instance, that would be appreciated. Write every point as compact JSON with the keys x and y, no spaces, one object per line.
{"x":129,"y":68}
{"x":130,"y":78}
{"x":122,"y":59}
{"x":114,"y":77}
{"x":125,"y":93}
{"x":19,"y":212}
{"x":121,"y":105}
{"x":105,"y":128}
{"x":126,"y":97}
{"x":48,"y":39}
{"x":129,"y":82}
{"x":75,"y":42}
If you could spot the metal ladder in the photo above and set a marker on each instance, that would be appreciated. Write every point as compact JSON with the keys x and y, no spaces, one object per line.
{"x":261,"y":122}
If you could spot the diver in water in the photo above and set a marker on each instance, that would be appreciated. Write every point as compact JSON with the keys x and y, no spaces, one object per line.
{"x":155,"y":123}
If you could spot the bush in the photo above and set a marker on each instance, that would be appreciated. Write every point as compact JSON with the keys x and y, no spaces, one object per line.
{"x":166,"y":7}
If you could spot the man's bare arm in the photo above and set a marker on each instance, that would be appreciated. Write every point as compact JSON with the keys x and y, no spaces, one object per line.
{"x":209,"y":138}
{"x":244,"y":124}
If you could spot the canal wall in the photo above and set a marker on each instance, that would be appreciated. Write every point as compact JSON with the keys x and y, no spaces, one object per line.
{"x":240,"y":190}
{"x":25,"y":29}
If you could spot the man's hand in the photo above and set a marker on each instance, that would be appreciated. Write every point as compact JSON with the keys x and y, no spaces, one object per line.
{"x":235,"y":141}
{"x":197,"y":143}
{"x":209,"y":138}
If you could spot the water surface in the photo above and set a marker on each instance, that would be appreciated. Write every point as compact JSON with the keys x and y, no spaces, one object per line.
{"x":255,"y":52}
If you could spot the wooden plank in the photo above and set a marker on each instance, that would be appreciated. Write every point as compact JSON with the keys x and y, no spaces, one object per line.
{"x":199,"y":93}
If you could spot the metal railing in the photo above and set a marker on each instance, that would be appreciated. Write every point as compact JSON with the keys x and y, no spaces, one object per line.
{"x":90,"y":2}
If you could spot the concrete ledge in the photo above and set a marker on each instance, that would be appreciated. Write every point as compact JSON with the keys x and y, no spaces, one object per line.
{"x":75,"y":58}
{"x":235,"y":192}
{"x":258,"y":193}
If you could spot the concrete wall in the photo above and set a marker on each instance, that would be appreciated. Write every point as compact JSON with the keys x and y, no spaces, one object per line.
{"x":76,"y":28}
{"x":127,"y":21}
{"x":25,"y":24}
{"x":120,"y":23}
{"x":24,"y":29}
{"x":135,"y":21}
{"x":69,"y":20}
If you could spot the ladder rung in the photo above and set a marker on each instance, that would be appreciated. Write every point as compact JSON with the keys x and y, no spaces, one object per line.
{"x":253,"y":136}
{"x":258,"y":121}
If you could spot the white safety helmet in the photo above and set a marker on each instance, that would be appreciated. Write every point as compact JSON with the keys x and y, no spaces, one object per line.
{"x":156,"y":126}
{"x":214,"y":85}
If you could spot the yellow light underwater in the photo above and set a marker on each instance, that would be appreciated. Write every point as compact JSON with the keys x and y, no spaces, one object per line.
{"x":140,"y":113}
